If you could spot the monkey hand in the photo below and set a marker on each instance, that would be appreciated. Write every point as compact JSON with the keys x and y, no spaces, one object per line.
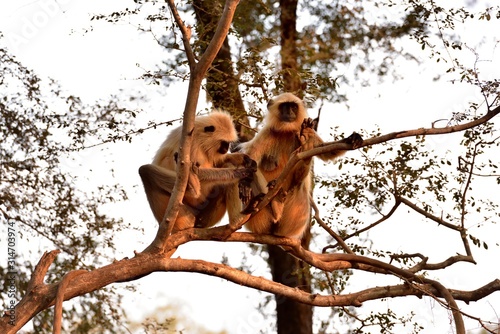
{"x":354,"y":139}
{"x":278,"y":205}
{"x":249,"y":163}
{"x":245,"y":192}
{"x":245,"y":184}
{"x":252,"y":204}
{"x":307,"y":134}
{"x":195,"y":168}
{"x":271,"y":184}
{"x":309,"y":123}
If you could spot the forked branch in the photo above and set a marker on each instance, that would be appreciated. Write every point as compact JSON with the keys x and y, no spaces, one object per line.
{"x":197,"y":73}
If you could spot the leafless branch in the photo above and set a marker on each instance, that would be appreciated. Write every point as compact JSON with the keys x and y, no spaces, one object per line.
{"x":42,"y":296}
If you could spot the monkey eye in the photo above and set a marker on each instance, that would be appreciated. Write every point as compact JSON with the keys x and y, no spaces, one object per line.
{"x":209,"y":128}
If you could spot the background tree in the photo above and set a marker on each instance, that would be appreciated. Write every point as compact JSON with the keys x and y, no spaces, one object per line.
{"x":386,"y":175}
{"x":40,"y":126}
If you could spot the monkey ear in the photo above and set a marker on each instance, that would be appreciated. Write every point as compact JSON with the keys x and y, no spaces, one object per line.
{"x":209,"y":128}
{"x":270,"y":103}
{"x":315,"y":123}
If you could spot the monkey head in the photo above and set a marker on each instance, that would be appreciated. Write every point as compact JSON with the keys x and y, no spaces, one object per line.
{"x":286,"y":112}
{"x":214,"y":133}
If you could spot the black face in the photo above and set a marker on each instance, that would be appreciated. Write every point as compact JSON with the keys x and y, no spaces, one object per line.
{"x":224,"y":147}
{"x":288,"y":111}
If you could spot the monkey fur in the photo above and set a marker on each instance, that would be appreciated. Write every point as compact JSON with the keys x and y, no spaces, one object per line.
{"x":206,"y":199}
{"x":286,"y":128}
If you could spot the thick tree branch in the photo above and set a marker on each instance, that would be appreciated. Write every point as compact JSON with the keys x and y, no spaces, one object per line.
{"x":43,"y":296}
{"x":197,"y":74}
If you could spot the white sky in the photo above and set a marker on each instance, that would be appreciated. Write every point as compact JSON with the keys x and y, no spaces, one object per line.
{"x":47,"y":36}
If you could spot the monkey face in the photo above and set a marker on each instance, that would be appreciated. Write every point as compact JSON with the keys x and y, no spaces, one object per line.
{"x":223,"y":147}
{"x":285,"y":113}
{"x":288,"y":111}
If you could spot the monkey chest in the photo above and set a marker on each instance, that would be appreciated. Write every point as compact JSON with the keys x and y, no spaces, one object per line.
{"x":273,"y":161}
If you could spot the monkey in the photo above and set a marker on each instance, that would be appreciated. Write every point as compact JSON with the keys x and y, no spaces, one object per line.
{"x":286,"y":128}
{"x":205,"y":200}
{"x":61,"y":288}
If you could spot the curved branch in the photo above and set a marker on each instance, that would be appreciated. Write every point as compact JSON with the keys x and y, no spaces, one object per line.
{"x":452,"y":304}
{"x":60,"y":298}
{"x":379,"y":221}
{"x":327,"y":228}
{"x":42,"y":295}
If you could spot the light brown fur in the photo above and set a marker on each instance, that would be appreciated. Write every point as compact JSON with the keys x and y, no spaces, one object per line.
{"x":286,"y":128}
{"x":205,"y":200}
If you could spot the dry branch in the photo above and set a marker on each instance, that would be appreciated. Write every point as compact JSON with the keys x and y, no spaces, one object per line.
{"x":43,"y":295}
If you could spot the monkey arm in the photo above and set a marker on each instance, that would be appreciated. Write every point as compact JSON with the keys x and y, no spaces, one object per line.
{"x":235,"y":160}
{"x":355,"y":140}
{"x":163,"y":179}
{"x":223,"y":175}
{"x":310,"y":139}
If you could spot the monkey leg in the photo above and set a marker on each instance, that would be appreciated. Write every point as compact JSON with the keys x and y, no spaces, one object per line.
{"x":185,"y":219}
{"x":296,"y":217}
{"x":154,"y":176}
{"x":158,"y":184}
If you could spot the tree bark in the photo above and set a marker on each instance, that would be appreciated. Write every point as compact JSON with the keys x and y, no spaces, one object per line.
{"x":292,"y":316}
{"x":288,"y":42}
{"x":222,"y":84}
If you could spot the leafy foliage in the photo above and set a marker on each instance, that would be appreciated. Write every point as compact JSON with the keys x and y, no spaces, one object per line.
{"x":40,"y":127}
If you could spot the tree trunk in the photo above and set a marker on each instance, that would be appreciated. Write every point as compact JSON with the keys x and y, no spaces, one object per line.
{"x":222,"y":85}
{"x":292,"y":317}
{"x":289,"y":63}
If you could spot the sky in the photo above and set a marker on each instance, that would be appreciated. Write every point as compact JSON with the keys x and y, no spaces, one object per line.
{"x":49,"y":36}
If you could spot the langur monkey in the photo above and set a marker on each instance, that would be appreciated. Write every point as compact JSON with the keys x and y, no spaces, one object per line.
{"x":206,"y":198}
{"x":286,"y":128}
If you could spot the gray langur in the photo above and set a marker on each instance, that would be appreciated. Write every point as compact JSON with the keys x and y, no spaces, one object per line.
{"x":286,"y":128}
{"x":206,"y":198}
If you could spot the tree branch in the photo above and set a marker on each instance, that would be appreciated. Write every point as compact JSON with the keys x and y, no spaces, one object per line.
{"x":197,"y":74}
{"x":43,"y":295}
{"x":186,"y":34}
